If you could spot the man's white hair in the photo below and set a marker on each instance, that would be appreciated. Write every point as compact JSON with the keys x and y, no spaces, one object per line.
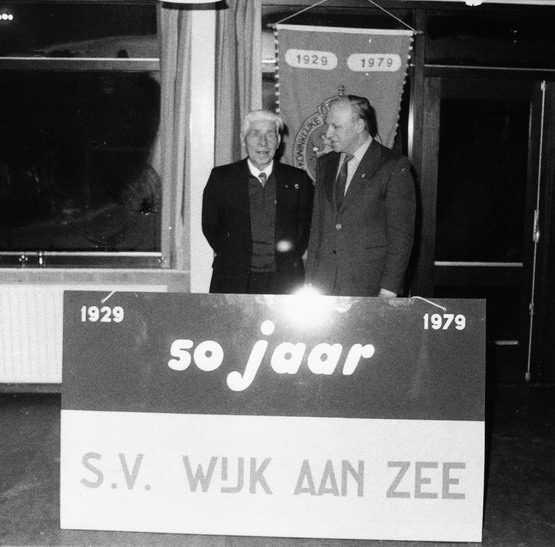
{"x":262,"y":115}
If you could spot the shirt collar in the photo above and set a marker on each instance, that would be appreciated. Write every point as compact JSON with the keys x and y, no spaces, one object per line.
{"x":256,"y":172}
{"x":361,"y":150}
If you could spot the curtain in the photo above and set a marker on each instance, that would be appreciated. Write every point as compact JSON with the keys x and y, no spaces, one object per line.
{"x":174,"y":30}
{"x":238,"y":89}
{"x":238,"y":74}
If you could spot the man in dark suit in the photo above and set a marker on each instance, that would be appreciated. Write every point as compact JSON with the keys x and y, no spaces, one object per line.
{"x":364,"y":208}
{"x":256,"y":215}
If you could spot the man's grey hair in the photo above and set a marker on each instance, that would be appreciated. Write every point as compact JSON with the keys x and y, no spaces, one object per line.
{"x":262,"y":115}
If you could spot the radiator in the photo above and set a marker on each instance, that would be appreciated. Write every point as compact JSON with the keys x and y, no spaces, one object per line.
{"x":31,"y":326}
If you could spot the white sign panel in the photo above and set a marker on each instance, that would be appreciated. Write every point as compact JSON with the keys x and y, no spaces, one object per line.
{"x":272,"y":476}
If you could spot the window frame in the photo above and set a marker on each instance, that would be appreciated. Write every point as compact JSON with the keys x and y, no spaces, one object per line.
{"x":110,"y":259}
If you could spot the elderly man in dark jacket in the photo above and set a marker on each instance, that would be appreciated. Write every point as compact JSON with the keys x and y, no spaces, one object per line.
{"x":256,"y":215}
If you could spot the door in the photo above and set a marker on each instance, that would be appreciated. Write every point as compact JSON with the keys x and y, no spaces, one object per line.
{"x":484,"y":132}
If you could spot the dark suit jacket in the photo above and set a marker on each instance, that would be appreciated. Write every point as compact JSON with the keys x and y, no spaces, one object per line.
{"x":226,"y":224}
{"x":366,"y":245}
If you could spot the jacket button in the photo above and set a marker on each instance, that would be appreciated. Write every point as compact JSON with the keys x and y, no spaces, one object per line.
{"x":338,"y":226}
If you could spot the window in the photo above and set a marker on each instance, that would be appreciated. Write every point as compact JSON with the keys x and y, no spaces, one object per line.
{"x":518,"y":38}
{"x":80,"y":97}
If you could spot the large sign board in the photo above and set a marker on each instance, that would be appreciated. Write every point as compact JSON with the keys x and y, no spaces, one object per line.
{"x":284,"y":416}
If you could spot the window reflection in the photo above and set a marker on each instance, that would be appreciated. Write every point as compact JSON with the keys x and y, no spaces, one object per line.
{"x":78,"y":29}
{"x":75,"y":169}
{"x":482,"y":179}
{"x":80,"y":110}
{"x":502,"y":38}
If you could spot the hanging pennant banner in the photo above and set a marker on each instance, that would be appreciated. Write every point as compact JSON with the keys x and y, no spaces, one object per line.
{"x":315,"y":64}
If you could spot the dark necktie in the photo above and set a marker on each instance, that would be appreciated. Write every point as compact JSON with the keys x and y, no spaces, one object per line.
{"x":341,"y":180}
{"x":263,"y":178}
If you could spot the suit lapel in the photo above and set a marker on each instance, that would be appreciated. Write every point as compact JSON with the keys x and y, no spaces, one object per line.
{"x":279,"y":180}
{"x":366,"y":169}
{"x":331,"y":173}
{"x":285,"y":197}
{"x":280,"y":196}
{"x":243,"y":175}
{"x":239,"y":190}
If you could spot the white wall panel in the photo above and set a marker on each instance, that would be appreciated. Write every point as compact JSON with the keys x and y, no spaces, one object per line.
{"x":31,"y":325}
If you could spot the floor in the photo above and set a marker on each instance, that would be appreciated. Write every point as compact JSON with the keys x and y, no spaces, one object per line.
{"x":519,"y":504}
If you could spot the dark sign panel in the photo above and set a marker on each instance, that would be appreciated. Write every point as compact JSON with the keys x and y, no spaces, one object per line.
{"x":266,"y":355}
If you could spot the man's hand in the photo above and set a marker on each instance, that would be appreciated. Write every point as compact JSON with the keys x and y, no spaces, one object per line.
{"x":384,"y":293}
